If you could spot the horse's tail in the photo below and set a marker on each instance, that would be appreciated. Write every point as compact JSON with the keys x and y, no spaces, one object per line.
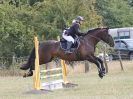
{"x":31,"y":61}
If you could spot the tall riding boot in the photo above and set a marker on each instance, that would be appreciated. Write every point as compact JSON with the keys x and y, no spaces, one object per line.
{"x":69,"y":44}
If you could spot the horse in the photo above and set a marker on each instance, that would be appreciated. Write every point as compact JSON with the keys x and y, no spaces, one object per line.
{"x":51,"y":49}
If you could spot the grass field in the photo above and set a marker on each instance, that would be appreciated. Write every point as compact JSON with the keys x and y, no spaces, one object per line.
{"x":116,"y":84}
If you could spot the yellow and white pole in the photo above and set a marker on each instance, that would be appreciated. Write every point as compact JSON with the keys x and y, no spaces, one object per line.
{"x":64,"y":71}
{"x":36,"y":75}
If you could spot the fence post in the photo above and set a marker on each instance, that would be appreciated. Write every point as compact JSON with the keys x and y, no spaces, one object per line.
{"x":105,"y":62}
{"x":87,"y":65}
{"x":120,"y":61}
{"x":13,"y":64}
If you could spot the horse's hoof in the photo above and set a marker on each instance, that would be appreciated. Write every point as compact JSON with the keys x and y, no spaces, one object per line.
{"x":104,"y":72}
{"x":30,"y":73}
{"x":101,"y":75}
{"x":24,"y":67}
{"x":25,"y":75}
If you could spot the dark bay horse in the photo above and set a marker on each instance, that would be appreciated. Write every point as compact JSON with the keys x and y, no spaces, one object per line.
{"x":50,"y":49}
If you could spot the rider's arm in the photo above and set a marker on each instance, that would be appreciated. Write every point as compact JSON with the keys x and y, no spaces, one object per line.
{"x":77,"y":30}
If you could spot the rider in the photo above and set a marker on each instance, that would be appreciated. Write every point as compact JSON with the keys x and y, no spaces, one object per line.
{"x":71,"y":32}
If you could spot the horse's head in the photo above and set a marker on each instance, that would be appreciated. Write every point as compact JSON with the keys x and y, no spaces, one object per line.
{"x":106,"y":37}
{"x":101,"y":34}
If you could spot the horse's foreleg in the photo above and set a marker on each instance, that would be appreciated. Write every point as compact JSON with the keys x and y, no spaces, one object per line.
{"x":102,"y":65}
{"x":99,"y":69}
{"x":95,"y":61}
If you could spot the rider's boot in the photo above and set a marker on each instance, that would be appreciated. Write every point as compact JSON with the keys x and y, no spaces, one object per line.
{"x":69,"y":44}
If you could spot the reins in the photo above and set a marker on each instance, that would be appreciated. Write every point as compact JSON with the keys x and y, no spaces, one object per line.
{"x":92,"y":36}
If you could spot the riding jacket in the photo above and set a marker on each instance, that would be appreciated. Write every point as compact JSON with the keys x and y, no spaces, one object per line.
{"x":74,"y":30}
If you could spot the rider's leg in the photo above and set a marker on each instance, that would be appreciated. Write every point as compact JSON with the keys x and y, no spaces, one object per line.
{"x":68,"y":38}
{"x":69,"y":44}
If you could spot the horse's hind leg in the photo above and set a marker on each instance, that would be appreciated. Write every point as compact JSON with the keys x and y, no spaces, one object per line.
{"x":32,"y":66}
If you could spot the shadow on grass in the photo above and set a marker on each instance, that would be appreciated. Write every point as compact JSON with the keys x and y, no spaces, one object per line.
{"x":44,"y":91}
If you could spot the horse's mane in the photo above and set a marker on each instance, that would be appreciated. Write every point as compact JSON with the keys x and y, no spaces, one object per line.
{"x":93,"y":30}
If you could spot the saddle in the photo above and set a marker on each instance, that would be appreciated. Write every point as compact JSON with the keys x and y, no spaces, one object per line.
{"x":75,"y":45}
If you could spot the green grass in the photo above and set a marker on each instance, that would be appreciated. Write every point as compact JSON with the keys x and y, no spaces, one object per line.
{"x":115,"y":85}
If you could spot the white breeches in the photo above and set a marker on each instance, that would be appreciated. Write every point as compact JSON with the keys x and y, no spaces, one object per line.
{"x":68,"y":38}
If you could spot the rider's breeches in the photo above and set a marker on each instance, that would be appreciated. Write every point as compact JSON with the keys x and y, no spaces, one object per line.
{"x":68,"y":38}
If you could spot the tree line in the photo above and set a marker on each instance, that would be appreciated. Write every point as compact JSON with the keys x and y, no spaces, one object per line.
{"x":20,"y":20}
